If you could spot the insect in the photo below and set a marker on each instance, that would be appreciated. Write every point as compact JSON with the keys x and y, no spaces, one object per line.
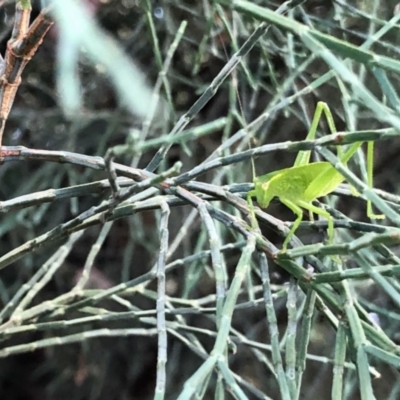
{"x":297,"y":186}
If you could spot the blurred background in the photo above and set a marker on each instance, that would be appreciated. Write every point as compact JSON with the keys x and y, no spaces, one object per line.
{"x":277,"y":67}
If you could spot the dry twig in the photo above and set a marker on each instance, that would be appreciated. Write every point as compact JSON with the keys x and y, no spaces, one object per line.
{"x":24,"y":42}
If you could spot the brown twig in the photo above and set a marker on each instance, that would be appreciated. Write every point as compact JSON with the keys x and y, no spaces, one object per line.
{"x":24,"y":42}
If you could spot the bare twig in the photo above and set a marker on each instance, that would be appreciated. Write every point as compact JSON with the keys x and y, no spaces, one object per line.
{"x":24,"y":42}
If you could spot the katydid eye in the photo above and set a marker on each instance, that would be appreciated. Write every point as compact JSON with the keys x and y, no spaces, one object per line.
{"x":265,"y":185}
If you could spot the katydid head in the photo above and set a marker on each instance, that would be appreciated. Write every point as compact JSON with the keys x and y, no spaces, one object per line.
{"x":264,"y":194}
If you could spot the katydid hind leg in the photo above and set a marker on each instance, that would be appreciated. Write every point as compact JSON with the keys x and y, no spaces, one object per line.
{"x":322,"y":213}
{"x":303,"y":157}
{"x":297,"y":209}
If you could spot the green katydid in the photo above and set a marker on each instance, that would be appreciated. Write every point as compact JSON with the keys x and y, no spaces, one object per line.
{"x":297,"y":186}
